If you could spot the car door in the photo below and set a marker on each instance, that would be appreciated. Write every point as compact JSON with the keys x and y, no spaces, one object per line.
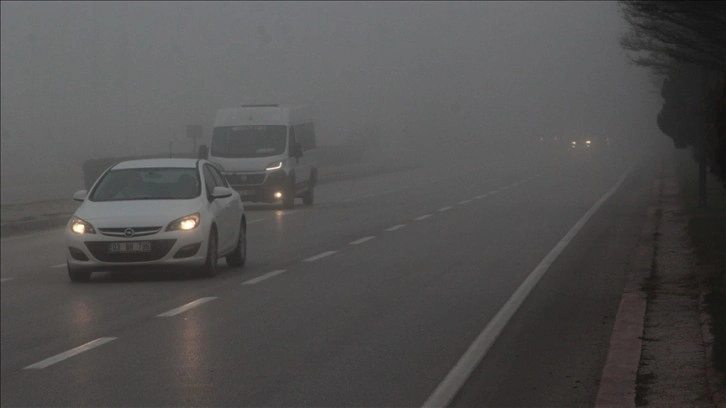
{"x":222,"y":209}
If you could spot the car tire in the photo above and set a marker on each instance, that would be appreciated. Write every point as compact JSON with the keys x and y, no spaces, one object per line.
{"x":209,"y":269}
{"x":238,"y":257}
{"x":309,"y":196}
{"x":288,"y":201}
{"x":78,"y":276}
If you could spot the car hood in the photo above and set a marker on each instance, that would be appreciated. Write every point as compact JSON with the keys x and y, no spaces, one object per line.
{"x":135,"y":213}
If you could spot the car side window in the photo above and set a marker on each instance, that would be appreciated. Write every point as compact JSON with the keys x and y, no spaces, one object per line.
{"x":208,"y":179}
{"x":218,"y":178}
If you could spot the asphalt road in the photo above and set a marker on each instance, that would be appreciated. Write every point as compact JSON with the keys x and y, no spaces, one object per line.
{"x":368,"y":298}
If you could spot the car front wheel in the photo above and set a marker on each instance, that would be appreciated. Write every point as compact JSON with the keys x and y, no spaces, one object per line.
{"x":210,"y":265}
{"x":238,"y":257}
{"x":78,"y":276}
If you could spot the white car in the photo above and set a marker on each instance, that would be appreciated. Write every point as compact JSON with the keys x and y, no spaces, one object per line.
{"x":157,"y":212}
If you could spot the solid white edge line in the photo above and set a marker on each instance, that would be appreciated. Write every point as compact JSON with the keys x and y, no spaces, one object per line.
{"x":70,"y":353}
{"x":184,"y":308}
{"x":445,"y":209}
{"x":5,"y":279}
{"x":40,"y":234}
{"x":266,"y":276}
{"x":362,"y":240}
{"x":423,"y":217}
{"x":462,"y":202}
{"x":460,"y":373}
{"x":254,"y":221}
{"x":58,"y":266}
{"x":319,"y":256}
{"x":396,"y":227}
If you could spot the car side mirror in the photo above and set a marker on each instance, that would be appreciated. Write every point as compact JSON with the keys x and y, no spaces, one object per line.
{"x":80,"y":195}
{"x":221,"y":192}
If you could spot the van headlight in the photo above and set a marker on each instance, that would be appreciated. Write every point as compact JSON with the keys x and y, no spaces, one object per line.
{"x":276,"y":165}
{"x":186,"y":223}
{"x":81,"y":226}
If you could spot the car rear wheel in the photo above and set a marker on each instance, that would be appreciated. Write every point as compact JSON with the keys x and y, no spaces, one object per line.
{"x":78,"y":276}
{"x":209,"y":269}
{"x":238,"y":257}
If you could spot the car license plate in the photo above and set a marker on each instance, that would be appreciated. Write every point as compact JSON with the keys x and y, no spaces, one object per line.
{"x":247,"y":192}
{"x":130,"y":247}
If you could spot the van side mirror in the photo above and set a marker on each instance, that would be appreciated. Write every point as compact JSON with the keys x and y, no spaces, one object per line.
{"x":203,"y":152}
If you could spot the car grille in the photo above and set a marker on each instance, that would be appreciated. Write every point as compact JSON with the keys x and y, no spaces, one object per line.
{"x":137,"y":231}
{"x":245,"y":179}
{"x":159,"y":248}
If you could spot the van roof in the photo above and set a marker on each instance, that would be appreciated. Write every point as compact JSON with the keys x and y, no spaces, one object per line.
{"x":262,"y":115}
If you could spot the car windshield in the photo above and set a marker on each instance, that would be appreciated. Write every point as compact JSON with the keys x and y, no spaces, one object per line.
{"x":248,"y":141}
{"x":148,"y":184}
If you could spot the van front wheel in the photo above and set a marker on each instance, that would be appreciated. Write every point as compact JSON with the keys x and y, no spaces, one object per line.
{"x":288,"y":200}
{"x":309,"y":196}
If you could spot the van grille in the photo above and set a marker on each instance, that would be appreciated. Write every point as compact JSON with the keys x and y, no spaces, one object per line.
{"x":245,"y":179}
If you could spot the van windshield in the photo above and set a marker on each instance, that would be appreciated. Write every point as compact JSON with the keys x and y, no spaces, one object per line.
{"x":248,"y":141}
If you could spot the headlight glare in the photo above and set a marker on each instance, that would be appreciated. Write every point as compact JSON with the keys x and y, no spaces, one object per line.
{"x":274,"y":165}
{"x":80,"y":226}
{"x":185,"y":223}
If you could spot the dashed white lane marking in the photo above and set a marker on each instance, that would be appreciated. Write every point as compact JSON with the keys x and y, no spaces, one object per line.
{"x":17,"y":237}
{"x":423,"y":217}
{"x":319,"y":256}
{"x":58,"y":266}
{"x":455,"y":379}
{"x":362,"y":240}
{"x":70,"y":353}
{"x":494,"y":192}
{"x":3,"y":280}
{"x":254,"y":221}
{"x":184,"y":308}
{"x":480,"y":196}
{"x":396,"y":227}
{"x":445,"y":209}
{"x":266,"y":276}
{"x":464,"y":202}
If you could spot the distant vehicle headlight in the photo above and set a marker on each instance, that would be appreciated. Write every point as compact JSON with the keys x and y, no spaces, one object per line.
{"x":274,"y":165}
{"x":80,"y":226}
{"x":186,"y":223}
{"x":588,"y":142}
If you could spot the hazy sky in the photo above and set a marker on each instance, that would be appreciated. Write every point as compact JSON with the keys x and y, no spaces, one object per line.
{"x":96,"y":79}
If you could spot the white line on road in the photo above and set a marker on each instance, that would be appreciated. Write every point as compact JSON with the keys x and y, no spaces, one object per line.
{"x":464,"y":202}
{"x":319,"y":256}
{"x":266,"y":276}
{"x":423,"y":217}
{"x":58,"y":266}
{"x":70,"y":353}
{"x":452,"y":383}
{"x":396,"y":227}
{"x":362,"y":240}
{"x":254,"y":221}
{"x":479,"y":197}
{"x":5,"y":280}
{"x":14,"y":238}
{"x":190,"y":305}
{"x":494,"y":192}
{"x":445,"y":209}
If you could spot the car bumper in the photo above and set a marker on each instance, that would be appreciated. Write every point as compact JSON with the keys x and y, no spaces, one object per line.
{"x":177,"y":249}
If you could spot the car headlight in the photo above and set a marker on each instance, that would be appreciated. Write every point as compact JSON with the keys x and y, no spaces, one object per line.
{"x":274,"y":165}
{"x":185,"y":223}
{"x":81,"y":226}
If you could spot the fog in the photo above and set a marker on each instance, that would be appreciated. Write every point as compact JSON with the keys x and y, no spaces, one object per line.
{"x":97,"y":79}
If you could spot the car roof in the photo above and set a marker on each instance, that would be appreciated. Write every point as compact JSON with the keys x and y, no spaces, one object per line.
{"x":156,"y":163}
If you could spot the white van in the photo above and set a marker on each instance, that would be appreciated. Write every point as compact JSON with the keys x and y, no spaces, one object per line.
{"x":266,"y":152}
